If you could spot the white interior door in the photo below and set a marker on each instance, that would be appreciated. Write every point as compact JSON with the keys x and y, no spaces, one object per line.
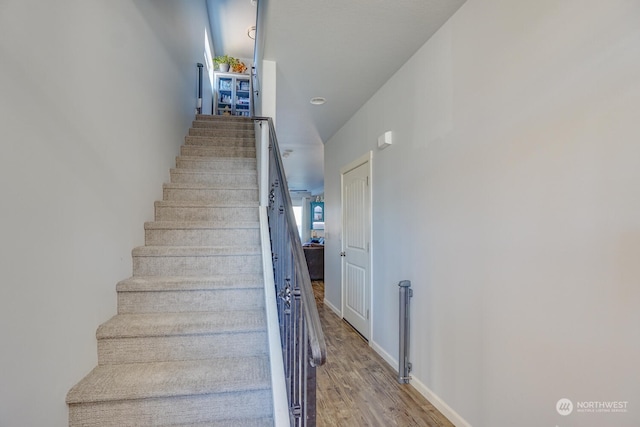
{"x":356,"y":230}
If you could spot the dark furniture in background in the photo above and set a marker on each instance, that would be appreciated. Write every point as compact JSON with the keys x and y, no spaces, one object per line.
{"x":314,"y":254}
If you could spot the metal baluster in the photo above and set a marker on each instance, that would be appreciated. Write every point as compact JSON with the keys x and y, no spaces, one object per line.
{"x":303,"y":345}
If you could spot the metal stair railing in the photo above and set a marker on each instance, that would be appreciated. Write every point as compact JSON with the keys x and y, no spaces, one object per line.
{"x":302,"y":339}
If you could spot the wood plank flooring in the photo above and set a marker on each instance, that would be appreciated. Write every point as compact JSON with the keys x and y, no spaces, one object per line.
{"x":356,"y":387}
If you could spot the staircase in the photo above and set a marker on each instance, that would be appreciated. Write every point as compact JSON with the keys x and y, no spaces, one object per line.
{"x":188,"y":346}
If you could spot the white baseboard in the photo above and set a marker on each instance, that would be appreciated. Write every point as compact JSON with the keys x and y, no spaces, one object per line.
{"x":333,"y":308}
{"x":386,"y":356}
{"x":433,"y":398}
{"x":439,"y":404}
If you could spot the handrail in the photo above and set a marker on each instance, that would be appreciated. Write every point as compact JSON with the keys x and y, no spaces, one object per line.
{"x":199,"y":100}
{"x":303,"y":343}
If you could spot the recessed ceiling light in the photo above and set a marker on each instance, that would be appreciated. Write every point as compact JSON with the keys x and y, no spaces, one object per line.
{"x":318,"y":100}
{"x":251,"y":32}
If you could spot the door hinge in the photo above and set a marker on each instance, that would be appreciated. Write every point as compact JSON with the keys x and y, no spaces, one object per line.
{"x":367,"y":314}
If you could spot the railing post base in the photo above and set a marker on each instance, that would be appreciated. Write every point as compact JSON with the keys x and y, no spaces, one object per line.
{"x":404,"y":367}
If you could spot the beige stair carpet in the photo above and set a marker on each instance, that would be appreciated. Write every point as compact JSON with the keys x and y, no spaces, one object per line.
{"x":188,"y":346}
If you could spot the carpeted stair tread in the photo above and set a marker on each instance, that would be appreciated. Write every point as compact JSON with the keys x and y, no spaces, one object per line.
{"x":210,"y":193}
{"x":206,"y":124}
{"x":191,"y":293}
{"x":234,"y":171}
{"x":205,"y":204}
{"x":244,"y":133}
{"x":206,"y":151}
{"x":185,"y":210}
{"x":186,"y":251}
{"x":215,"y":164}
{"x":249,"y":176}
{"x":220,"y":178}
{"x":229,"y":173}
{"x":200,"y":225}
{"x":223,"y":123}
{"x":192,"y":233}
{"x":235,"y":161}
{"x":203,"y":409}
{"x":198,"y":186}
{"x":215,"y":118}
{"x":166,"y":283}
{"x":195,"y":260}
{"x":189,"y":323}
{"x":168,"y":379}
{"x":248,"y":141}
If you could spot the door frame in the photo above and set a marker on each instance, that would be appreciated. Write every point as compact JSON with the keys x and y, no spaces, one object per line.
{"x":364,"y":159}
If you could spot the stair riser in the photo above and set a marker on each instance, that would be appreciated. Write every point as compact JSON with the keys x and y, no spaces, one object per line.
{"x":184,"y":301}
{"x":213,"y":118}
{"x":193,"y":150}
{"x":220,"y":141}
{"x":190,"y":347}
{"x":165,"y":213}
{"x":238,"y":133}
{"x":172,"y":410}
{"x":229,"y":125}
{"x":202,"y":237}
{"x":219,"y":179}
{"x":196,"y":265}
{"x":211,"y":195}
{"x":207,"y":164}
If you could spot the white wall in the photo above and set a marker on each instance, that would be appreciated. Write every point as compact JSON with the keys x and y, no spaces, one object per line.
{"x":268,"y":90}
{"x":510,"y":200}
{"x":265,"y":99}
{"x":96,"y":98}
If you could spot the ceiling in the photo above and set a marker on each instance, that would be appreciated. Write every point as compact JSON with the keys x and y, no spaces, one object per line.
{"x":340,"y":50}
{"x":230,"y":20}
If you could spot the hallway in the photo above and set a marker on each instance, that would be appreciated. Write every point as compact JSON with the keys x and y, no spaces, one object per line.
{"x":356,"y":387}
